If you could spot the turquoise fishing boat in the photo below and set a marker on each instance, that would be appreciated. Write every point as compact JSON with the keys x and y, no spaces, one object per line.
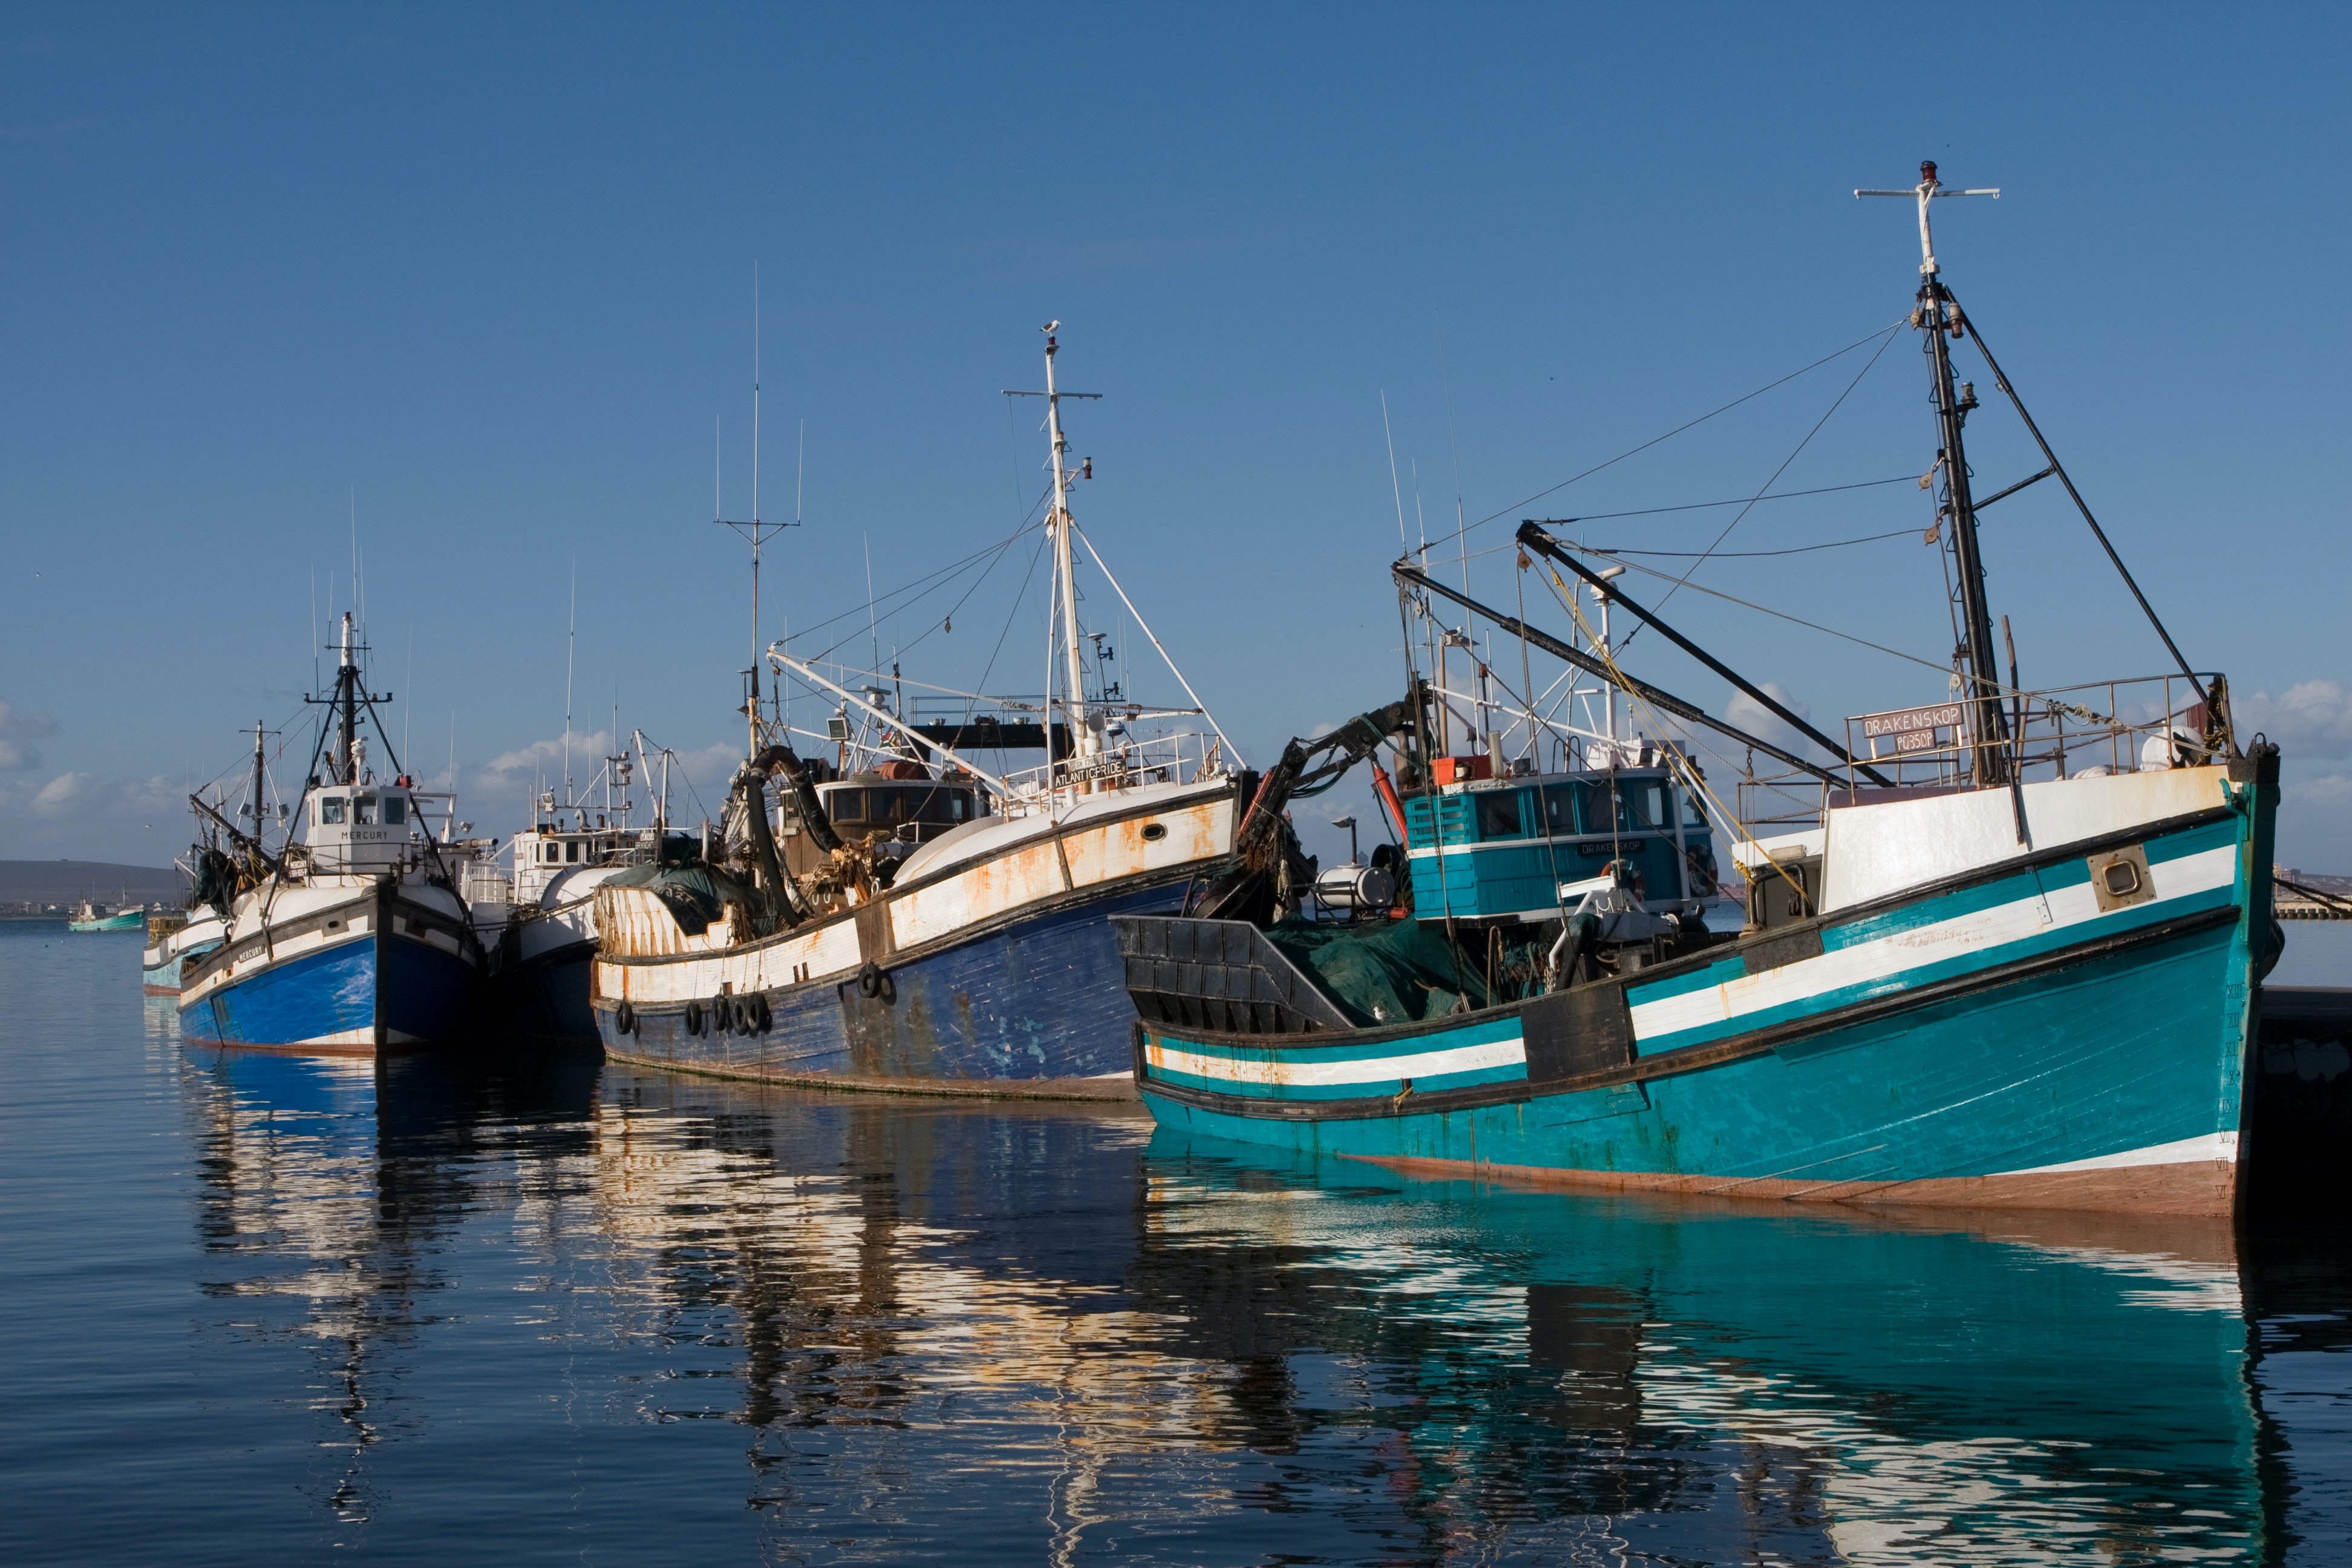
{"x":2014,"y":958}
{"x":89,"y":916}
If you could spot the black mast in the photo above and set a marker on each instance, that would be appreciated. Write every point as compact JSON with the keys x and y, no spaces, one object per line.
{"x":1938,"y":316}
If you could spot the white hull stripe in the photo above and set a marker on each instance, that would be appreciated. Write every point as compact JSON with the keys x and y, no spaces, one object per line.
{"x":1310,"y":1074}
{"x":1965,"y":936}
{"x":2186,"y":1151}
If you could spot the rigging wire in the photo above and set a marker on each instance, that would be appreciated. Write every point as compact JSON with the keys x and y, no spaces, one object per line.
{"x":949,"y":570}
{"x":1886,"y":330}
{"x":1750,"y":554}
{"x":1779,"y":614}
{"x":1767,"y":484}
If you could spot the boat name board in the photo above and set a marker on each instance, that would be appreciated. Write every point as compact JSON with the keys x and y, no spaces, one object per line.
{"x":1904,"y":723}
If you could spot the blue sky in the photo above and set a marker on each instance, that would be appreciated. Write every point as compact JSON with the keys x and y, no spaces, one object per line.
{"x":485,"y":274}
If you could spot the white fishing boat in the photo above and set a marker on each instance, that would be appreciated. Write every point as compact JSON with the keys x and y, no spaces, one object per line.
{"x":899,"y":917}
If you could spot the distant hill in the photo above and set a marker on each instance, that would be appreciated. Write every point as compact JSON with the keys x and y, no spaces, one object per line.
{"x":70,"y":881}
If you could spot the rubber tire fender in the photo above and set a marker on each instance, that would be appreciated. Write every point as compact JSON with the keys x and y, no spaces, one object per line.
{"x":624,"y":1017}
{"x":723,"y":1013}
{"x":869,"y":980}
{"x":694,"y":1019}
{"x":762,"y":1020}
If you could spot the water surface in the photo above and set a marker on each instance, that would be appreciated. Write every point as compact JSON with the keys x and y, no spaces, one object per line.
{"x":264,"y":1309}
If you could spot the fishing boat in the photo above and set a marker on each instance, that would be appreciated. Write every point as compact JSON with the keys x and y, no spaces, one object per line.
{"x":2015,"y":959}
{"x":350,"y":935}
{"x":89,"y":916}
{"x":173,"y":936}
{"x":536,"y":915}
{"x":899,"y":917}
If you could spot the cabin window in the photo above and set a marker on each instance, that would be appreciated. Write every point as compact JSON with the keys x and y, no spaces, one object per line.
{"x":572,"y":849}
{"x":363,"y":810}
{"x":1561,"y":806}
{"x":1498,"y":813}
{"x":550,"y":853}
{"x":331,"y":808}
{"x":1694,"y":810}
{"x":1640,"y":804}
{"x":395,"y":810}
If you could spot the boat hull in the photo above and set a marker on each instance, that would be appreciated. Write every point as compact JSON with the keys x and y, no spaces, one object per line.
{"x":545,"y":995}
{"x":131,"y":921}
{"x":163,"y":978}
{"x":1033,"y":1006}
{"x":381,"y":983}
{"x":2001,"y":1039}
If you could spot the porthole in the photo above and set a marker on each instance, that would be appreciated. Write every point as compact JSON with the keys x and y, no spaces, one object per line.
{"x":1154,"y":832}
{"x":2122,"y":878}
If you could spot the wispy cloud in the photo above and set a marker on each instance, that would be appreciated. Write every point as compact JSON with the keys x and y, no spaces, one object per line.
{"x":86,"y":816}
{"x":18,"y":732}
{"x":697,"y":775}
{"x":2311,"y":718}
{"x":1752,"y":716}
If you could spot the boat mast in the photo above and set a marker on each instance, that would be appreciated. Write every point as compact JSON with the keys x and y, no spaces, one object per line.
{"x":347,"y":704}
{"x":260,"y":772}
{"x":1938,"y":316}
{"x":757,"y":532}
{"x":1073,"y":700}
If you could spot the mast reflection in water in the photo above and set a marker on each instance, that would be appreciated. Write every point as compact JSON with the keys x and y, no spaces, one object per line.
{"x":552,"y":1310}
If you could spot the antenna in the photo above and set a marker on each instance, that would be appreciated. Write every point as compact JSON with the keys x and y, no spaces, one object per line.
{"x":570,"y":641}
{"x":1396,"y":489}
{"x":753,"y":529}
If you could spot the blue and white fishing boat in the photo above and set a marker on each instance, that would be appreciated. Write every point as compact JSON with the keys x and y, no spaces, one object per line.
{"x":899,"y":917}
{"x":348,"y":937}
{"x":2017,"y":960}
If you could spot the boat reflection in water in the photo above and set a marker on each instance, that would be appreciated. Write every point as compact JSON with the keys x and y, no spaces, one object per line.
{"x":1011,"y":1333}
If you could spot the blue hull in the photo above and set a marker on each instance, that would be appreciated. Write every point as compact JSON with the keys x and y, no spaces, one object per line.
{"x":2000,"y":1042}
{"x":369,"y":994}
{"x":1036,"y":1005}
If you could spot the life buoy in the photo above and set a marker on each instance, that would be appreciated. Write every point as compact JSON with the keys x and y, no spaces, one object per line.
{"x":624,"y":1017}
{"x":694,"y":1017}
{"x":870,"y":979}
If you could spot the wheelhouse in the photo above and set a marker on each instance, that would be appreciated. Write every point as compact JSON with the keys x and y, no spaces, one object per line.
{"x":1501,"y":850}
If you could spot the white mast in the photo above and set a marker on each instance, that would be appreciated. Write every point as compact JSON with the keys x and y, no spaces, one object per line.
{"x":1929,"y":189}
{"x":1074,"y":699}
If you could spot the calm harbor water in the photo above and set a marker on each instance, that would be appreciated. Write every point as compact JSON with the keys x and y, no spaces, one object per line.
{"x":269,"y":1310}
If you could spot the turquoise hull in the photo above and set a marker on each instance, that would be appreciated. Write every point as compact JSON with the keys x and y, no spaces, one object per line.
{"x":2001,"y":1038}
{"x":131,"y":920}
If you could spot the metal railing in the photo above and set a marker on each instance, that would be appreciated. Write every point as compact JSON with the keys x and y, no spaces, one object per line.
{"x":2111,"y":726}
{"x":1184,"y":757}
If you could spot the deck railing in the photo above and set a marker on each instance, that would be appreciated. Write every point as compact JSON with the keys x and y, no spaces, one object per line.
{"x":2115,"y":726}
